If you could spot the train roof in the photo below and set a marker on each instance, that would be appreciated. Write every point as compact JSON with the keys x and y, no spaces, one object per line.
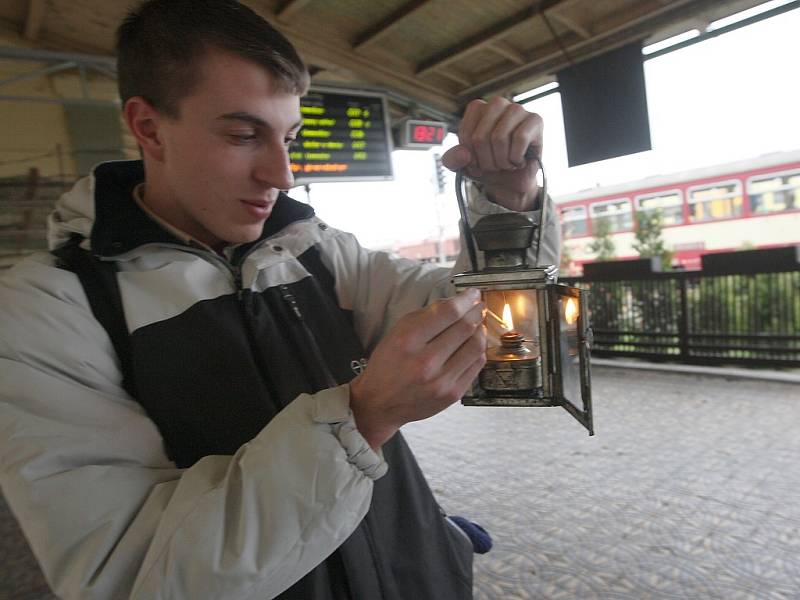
{"x":772,"y":159}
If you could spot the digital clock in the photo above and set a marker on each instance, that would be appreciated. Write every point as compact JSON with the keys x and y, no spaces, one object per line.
{"x":421,"y":135}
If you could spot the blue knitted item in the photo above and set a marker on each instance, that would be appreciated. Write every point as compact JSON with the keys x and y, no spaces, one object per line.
{"x":480,"y":538}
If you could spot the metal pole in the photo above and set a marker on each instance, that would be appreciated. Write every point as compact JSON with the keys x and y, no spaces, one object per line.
{"x":683,"y":319}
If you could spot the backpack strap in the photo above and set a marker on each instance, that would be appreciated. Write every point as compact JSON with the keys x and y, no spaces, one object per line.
{"x":99,"y":281}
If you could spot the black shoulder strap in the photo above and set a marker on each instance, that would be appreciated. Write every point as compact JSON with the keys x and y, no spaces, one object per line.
{"x":99,"y":281}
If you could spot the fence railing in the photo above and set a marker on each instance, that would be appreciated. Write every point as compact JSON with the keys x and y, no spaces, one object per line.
{"x":25,"y":202}
{"x":748,"y":318}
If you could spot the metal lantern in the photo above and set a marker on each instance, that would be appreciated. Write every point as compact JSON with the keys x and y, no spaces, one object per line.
{"x":538,"y":333}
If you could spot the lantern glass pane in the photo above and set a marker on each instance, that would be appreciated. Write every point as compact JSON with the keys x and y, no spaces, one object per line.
{"x":568,"y":311}
{"x":511,"y":310}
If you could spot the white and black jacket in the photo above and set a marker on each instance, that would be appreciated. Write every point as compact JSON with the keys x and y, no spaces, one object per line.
{"x":237,"y":471}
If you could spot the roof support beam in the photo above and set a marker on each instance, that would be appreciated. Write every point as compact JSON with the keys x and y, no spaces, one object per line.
{"x":46,"y":100}
{"x":59,"y":61}
{"x":33,"y":23}
{"x":507,"y":51}
{"x":90,"y":60}
{"x":550,"y":58}
{"x":39,"y":73}
{"x":376,"y":32}
{"x":456,"y":76}
{"x":328,"y":53}
{"x":572,"y":24}
{"x":476,"y":42}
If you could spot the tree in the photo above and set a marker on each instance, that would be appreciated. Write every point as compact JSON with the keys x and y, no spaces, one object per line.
{"x":602,"y":243}
{"x":648,"y":237}
{"x":566,"y":260}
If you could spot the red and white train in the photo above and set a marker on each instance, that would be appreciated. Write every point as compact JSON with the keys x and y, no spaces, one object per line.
{"x":746,"y":204}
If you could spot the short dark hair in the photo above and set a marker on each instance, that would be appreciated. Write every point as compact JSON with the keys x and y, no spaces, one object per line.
{"x":160,"y":44}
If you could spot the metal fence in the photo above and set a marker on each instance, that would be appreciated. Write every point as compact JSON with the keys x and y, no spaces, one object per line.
{"x":692,"y":317}
{"x":25,"y":202}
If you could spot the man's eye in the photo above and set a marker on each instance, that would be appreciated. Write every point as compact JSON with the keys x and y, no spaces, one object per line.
{"x":242,"y":138}
{"x":288,"y":141}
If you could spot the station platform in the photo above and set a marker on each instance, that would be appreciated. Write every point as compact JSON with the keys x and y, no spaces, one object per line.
{"x":727,"y":372}
{"x":689,"y":489}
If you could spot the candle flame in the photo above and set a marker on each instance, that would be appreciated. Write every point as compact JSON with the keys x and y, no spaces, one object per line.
{"x":507,"y":322}
{"x":571,"y":311}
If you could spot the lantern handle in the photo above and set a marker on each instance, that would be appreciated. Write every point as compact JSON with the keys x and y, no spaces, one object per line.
{"x":530,"y":153}
{"x":466,"y":229}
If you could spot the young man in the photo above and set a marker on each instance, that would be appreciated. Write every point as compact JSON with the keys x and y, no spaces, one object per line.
{"x":245,"y":458}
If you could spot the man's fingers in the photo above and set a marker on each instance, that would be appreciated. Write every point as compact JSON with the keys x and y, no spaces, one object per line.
{"x":466,"y":128}
{"x":472,"y":115}
{"x":424,"y":325}
{"x":457,"y":157}
{"x":468,"y":375}
{"x":441,"y":350}
{"x":508,"y":129}
{"x":473,"y":348}
{"x":527,"y":133}
{"x":483,"y":136}
{"x":494,"y":136}
{"x":461,"y":368}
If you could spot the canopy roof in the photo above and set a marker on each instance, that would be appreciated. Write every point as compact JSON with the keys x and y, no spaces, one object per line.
{"x":433,"y":55}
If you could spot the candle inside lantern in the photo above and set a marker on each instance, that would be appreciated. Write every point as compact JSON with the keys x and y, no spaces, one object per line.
{"x":512,"y":341}
{"x":508,"y":323}
{"x":513,"y":368}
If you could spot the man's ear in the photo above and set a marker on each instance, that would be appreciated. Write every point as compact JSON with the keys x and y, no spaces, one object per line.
{"x":145,"y":122}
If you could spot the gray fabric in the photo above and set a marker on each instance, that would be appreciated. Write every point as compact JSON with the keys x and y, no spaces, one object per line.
{"x":22,"y":577}
{"x":108,"y":515}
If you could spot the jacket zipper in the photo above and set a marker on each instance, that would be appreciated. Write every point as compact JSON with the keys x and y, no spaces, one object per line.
{"x":291,"y":302}
{"x":237,"y":281}
{"x":234,"y":270}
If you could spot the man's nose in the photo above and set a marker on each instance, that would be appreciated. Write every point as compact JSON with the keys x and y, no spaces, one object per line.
{"x":273,"y":169}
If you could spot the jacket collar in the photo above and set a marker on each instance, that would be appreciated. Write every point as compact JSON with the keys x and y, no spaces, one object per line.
{"x":120,"y":225}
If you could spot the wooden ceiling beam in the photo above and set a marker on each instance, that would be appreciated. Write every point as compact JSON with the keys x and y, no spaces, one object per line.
{"x":572,"y":24}
{"x":329,"y":53}
{"x":377,"y":31}
{"x":454,"y":75}
{"x":34,"y":20}
{"x":290,"y":8}
{"x":507,"y":51}
{"x":473,"y":43}
{"x":622,"y":29}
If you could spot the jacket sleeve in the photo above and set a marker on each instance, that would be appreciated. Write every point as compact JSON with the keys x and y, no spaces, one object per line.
{"x":109,"y":516}
{"x":380,"y":287}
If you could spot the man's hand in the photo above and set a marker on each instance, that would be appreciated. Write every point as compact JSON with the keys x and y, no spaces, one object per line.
{"x":425,"y":363}
{"x":493,"y":137}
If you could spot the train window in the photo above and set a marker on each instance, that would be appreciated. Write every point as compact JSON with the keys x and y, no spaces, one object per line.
{"x":574,"y":222}
{"x":774,"y":192}
{"x":616,"y":212}
{"x":669,"y":203}
{"x":721,"y":200}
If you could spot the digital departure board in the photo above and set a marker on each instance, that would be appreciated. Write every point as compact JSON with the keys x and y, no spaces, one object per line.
{"x":345,"y":137}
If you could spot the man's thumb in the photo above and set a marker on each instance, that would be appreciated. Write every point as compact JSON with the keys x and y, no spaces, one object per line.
{"x":457,"y":158}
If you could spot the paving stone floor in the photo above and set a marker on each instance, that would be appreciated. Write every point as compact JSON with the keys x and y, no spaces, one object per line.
{"x":689,"y":490}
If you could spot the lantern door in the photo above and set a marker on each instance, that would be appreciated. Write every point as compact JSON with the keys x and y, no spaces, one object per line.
{"x":570,"y":337}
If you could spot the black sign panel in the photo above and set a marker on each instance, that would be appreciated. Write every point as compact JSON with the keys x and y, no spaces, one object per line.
{"x":345,"y":137}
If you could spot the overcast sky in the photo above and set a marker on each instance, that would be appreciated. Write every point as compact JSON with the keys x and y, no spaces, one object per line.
{"x":729,"y":98}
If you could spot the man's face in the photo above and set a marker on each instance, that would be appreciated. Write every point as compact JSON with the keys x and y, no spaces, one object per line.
{"x":225,"y":157}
